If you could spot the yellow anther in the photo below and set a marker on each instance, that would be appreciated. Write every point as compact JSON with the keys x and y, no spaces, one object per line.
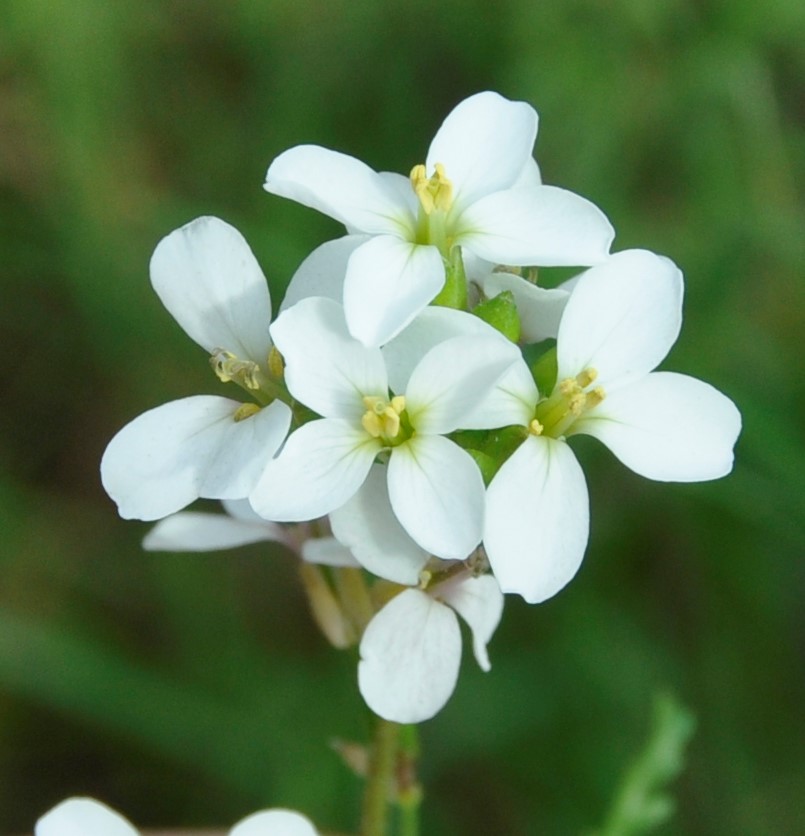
{"x":569,"y":386}
{"x":382,"y":418}
{"x":434,"y":192}
{"x":585,"y":378}
{"x":229,"y":367}
{"x":576,"y":403}
{"x":535,"y":428}
{"x":246,"y":410}
{"x":276,"y":365}
{"x":595,"y":397}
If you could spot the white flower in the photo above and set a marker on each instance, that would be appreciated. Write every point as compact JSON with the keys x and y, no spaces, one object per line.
{"x":479,"y":189}
{"x":87,"y":817}
{"x":203,"y":446}
{"x":620,"y":322}
{"x":199,"y":531}
{"x":435,"y":487}
{"x":411,"y":649}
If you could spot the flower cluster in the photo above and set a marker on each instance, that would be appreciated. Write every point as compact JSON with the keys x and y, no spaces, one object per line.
{"x":411,"y":404}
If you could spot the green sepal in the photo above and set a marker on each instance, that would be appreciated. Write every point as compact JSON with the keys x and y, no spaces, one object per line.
{"x":541,"y":360}
{"x":454,"y":292}
{"x":501,"y":313}
{"x":486,"y":464}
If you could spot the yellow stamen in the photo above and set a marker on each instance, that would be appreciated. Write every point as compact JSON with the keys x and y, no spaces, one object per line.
{"x":535,"y":428}
{"x":434,"y":192}
{"x":276,"y":365}
{"x":382,"y":418}
{"x":246,"y":410}
{"x":229,"y":367}
{"x":570,"y":400}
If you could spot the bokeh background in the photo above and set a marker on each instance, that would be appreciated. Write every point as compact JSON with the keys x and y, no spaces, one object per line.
{"x":190,"y":690}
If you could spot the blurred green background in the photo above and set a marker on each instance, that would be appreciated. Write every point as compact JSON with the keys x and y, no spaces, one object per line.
{"x":191,"y":690}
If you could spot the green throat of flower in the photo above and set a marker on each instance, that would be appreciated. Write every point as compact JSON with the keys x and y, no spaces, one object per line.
{"x":571,"y":398}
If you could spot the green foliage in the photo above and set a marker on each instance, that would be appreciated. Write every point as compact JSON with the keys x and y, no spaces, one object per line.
{"x":193,"y":689}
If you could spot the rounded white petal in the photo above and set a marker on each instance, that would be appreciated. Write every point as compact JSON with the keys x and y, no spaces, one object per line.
{"x":322,"y":272}
{"x":208,"y":278}
{"x":537,"y":519}
{"x":320,"y":467}
{"x":274,"y":823}
{"x":342,"y":187}
{"x":511,"y":400}
{"x":388,"y":282}
{"x":410,"y":656}
{"x":326,"y":368}
{"x":432,"y":326}
{"x":622,"y":318}
{"x":453,"y":378}
{"x":539,"y":308}
{"x":437,"y":493}
{"x":83,"y":817}
{"x":479,"y":602}
{"x":668,"y":427}
{"x":195,"y":531}
{"x":483,"y":144}
{"x":327,"y":551}
{"x":367,"y":525}
{"x":540,"y":225}
{"x":171,"y":455}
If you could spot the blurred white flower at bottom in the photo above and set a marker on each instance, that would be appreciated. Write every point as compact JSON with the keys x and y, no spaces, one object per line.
{"x":88,"y":817}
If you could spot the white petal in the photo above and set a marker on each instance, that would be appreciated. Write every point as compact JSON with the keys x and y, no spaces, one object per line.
{"x":322,"y":272}
{"x":274,"y":823}
{"x":453,"y":377}
{"x":529,"y":176}
{"x":83,"y":817}
{"x":186,"y":449}
{"x":537,"y":519}
{"x":208,"y":278}
{"x":479,"y":602}
{"x":622,"y":318}
{"x":437,"y":493}
{"x":388,"y":282}
{"x":540,"y":225}
{"x":432,"y":326}
{"x":368,"y":526}
{"x":194,"y":531}
{"x":668,"y":427}
{"x":410,"y":656}
{"x":327,"y":551}
{"x":342,"y":187}
{"x":511,"y":400}
{"x":321,"y":466}
{"x":326,"y":368}
{"x":540,"y":308}
{"x":483,"y":144}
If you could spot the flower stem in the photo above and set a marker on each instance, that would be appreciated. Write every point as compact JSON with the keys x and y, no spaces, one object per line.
{"x":409,"y":790}
{"x":380,"y":779}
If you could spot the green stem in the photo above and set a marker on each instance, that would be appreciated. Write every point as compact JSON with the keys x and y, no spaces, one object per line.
{"x":380,"y":779}
{"x":409,"y":790}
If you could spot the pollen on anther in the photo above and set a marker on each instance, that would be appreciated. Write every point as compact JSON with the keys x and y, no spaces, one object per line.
{"x":535,"y":428}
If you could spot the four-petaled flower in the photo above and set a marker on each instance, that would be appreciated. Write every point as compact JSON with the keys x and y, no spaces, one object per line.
{"x":620,"y":322}
{"x":435,"y":487}
{"x":204,"y":446}
{"x":479,"y":189}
